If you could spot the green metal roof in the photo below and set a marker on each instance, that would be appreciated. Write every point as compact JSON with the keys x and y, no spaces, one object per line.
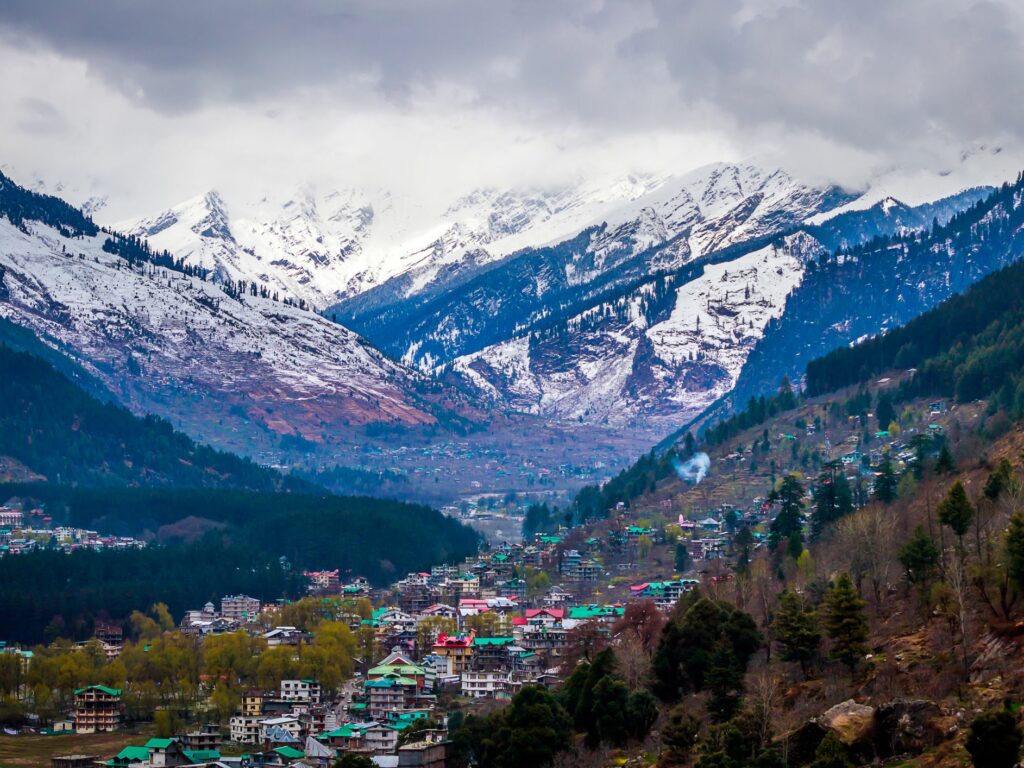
{"x":493,"y":640}
{"x":397,"y":669}
{"x":133,"y":753}
{"x":105,"y":689}
{"x":202,"y":755}
{"x":159,"y":743}
{"x":290,"y":752}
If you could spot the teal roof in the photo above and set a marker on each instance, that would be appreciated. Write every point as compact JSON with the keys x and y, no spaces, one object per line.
{"x":159,"y":743}
{"x":594,"y":611}
{"x":202,"y":755}
{"x":105,"y":689}
{"x":132,"y":754}
{"x":493,"y":640}
{"x":290,"y":752}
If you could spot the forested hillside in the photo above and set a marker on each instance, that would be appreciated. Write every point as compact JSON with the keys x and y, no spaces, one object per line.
{"x":882,"y":284}
{"x":57,"y":429}
{"x":117,"y":473}
{"x":969,"y":347}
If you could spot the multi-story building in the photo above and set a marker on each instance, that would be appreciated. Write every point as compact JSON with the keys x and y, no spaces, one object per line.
{"x":240,"y":608}
{"x":458,"y":649}
{"x":245,"y":729}
{"x":484,"y":685}
{"x":252,"y":703}
{"x":205,"y":739}
{"x":323,"y":581}
{"x":307,"y":691}
{"x":98,"y":708}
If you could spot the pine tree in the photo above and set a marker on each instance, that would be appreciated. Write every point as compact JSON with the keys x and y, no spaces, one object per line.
{"x":724,"y":681}
{"x":920,"y":557}
{"x":790,"y":495}
{"x":831,"y":753}
{"x":884,"y":411}
{"x":944,"y":465}
{"x":845,"y":622}
{"x":994,"y":740}
{"x":682,"y":558}
{"x":796,"y":629}
{"x":885,"y":483}
{"x":1015,"y":549}
{"x":956,"y":511}
{"x":742,"y":543}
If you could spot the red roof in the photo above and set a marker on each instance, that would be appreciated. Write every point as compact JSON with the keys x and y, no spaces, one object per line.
{"x":555,"y":613}
{"x":518,"y":621}
{"x":454,"y":641}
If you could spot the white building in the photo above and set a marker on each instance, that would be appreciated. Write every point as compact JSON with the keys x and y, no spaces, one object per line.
{"x":301,"y":690}
{"x":484,"y":685}
{"x":245,"y":729}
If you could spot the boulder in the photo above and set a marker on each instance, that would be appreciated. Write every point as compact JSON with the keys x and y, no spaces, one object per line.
{"x":853,"y":723}
{"x":908,"y":727}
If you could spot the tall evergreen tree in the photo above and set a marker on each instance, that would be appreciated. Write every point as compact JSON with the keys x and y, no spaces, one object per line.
{"x":796,"y":628}
{"x":956,"y":511}
{"x":886,"y":482}
{"x":845,"y":622}
{"x":945,"y":465}
{"x":919,"y":557}
{"x":790,"y":495}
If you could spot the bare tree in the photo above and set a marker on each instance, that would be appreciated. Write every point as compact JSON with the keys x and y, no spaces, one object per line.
{"x":869,"y":539}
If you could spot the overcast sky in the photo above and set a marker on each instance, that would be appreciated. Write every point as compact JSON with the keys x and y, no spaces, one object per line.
{"x":153,"y":102}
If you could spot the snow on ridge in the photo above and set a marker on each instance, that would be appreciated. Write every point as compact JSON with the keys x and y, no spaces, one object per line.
{"x":188,"y":335}
{"x":635,"y":373}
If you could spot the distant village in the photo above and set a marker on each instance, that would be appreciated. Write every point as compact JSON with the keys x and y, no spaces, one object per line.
{"x":26,"y":531}
{"x":456,"y":637}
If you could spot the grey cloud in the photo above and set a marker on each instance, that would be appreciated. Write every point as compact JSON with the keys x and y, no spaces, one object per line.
{"x":866,"y":73}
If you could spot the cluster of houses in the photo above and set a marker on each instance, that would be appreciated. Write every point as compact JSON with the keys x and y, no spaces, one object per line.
{"x":20,"y":533}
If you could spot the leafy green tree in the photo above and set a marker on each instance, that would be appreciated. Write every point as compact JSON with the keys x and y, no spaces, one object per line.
{"x":608,"y":715}
{"x":845,"y":622}
{"x":796,"y":628}
{"x":167,"y":723}
{"x":994,"y":739}
{"x":530,"y":731}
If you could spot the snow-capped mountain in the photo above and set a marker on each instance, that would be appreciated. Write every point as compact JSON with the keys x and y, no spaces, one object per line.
{"x":173,"y":344}
{"x":656,"y":355}
{"x":658,"y":352}
{"x":429,"y":322}
{"x":307,"y":246}
{"x":325,"y":246}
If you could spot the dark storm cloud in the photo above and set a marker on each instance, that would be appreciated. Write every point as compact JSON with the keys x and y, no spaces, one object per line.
{"x":863,"y":73}
{"x":492,"y":92}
